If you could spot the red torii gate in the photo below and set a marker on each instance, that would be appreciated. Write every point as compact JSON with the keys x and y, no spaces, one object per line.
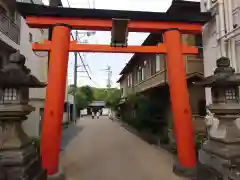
{"x":62,"y":20}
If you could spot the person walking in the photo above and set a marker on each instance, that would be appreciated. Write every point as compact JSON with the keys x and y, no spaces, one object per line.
{"x":98,"y":113}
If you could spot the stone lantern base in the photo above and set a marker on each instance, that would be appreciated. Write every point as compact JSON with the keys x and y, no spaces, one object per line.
{"x":22,"y":164}
{"x":221,"y":167}
{"x":19,"y":159}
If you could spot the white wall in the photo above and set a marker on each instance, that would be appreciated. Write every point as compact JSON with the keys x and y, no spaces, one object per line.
{"x":105,"y":111}
{"x":39,"y":67}
{"x":211,"y":45}
{"x":38,"y":63}
{"x":32,"y":124}
{"x":211,"y":52}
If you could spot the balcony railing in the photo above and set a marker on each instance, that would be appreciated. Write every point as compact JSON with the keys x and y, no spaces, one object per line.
{"x":9,"y":28}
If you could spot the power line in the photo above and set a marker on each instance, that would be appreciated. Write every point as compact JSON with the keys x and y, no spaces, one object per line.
{"x":81,"y":56}
{"x":82,"y":60}
{"x":78,"y":52}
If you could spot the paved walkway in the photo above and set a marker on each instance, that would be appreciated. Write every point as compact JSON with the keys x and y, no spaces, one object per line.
{"x":99,"y":149}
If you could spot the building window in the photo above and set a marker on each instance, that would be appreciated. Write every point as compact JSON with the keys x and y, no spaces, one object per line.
{"x":30,"y":37}
{"x":15,"y":17}
{"x":140,"y":74}
{"x":156,"y":64}
{"x":129,"y":80}
{"x":194,"y":40}
{"x":121,"y":92}
{"x":189,"y":39}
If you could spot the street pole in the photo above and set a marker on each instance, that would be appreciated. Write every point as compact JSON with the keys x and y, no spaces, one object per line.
{"x":75,"y":85}
{"x":109,"y":85}
{"x":75,"y":74}
{"x":109,"y":77}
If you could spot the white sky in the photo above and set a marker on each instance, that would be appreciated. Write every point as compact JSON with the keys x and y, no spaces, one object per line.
{"x":99,"y":61}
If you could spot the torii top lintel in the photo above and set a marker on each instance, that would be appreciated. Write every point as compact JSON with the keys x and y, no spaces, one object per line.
{"x":40,"y":16}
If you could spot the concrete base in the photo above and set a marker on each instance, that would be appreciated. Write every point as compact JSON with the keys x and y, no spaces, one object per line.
{"x":184,"y":171}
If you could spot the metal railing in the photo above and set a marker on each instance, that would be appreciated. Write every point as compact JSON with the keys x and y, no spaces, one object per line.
{"x":9,"y":28}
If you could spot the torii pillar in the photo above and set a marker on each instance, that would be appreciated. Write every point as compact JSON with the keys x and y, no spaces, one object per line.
{"x":59,"y":48}
{"x":51,"y":137}
{"x":61,"y":45}
{"x":55,"y":95}
{"x":182,"y":116}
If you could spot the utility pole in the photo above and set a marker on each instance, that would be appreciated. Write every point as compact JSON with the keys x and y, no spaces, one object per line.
{"x":75,"y":85}
{"x":109,"y":81}
{"x":76,"y":71}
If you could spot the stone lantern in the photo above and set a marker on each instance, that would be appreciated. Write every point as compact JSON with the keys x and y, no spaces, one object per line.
{"x":221,"y":152}
{"x":19,"y":159}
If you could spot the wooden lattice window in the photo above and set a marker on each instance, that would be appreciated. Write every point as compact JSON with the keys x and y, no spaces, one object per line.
{"x":9,"y":95}
{"x":230,"y":94}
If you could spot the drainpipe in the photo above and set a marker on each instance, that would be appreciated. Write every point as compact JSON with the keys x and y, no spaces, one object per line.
{"x":232,"y":40}
{"x":209,"y":4}
{"x":226,"y":16}
{"x":231,"y":33}
{"x":222,"y":26}
{"x":218,"y":31}
{"x":230,"y":15}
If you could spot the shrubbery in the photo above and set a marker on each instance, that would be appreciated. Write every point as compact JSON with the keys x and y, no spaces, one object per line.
{"x":142,"y":114}
{"x":36,"y":142}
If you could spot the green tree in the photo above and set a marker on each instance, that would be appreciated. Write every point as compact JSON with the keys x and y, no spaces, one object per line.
{"x":113,"y":98}
{"x":88,"y":92}
{"x":82,"y":101}
{"x":100,"y":94}
{"x":84,"y":95}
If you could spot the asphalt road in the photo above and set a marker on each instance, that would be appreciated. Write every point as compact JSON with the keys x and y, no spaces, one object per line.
{"x":99,"y":149}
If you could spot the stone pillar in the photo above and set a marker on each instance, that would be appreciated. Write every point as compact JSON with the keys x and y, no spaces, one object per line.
{"x":221,"y":152}
{"x":19,"y":159}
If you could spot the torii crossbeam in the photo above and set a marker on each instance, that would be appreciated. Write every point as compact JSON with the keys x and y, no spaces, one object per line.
{"x":62,"y":20}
